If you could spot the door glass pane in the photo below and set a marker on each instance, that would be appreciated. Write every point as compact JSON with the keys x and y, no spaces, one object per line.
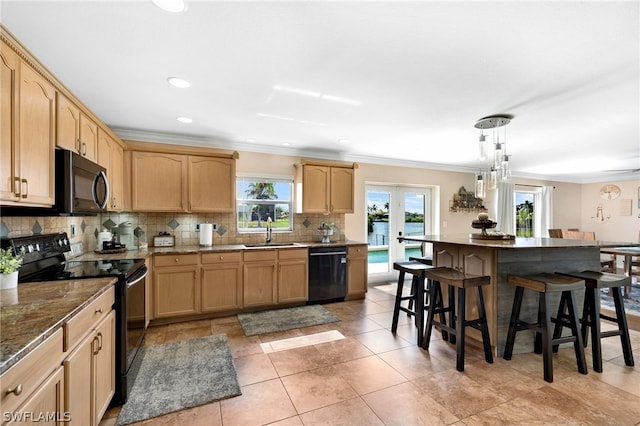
{"x":413,"y":222}
{"x":525,"y":214}
{"x":378,"y":230}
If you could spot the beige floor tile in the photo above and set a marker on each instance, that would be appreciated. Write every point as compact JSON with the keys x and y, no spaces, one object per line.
{"x":186,"y":325}
{"x":270,"y":337}
{"x":369,"y":308}
{"x":244,"y":346}
{"x":342,"y":350}
{"x":231,"y":329}
{"x":501,"y":379}
{"x":343,"y":312}
{"x":297,"y":360}
{"x":506,"y":414}
{"x":622,"y":377}
{"x":457,"y":392}
{"x":382,"y":341}
{"x":366,"y":375}
{"x":357,"y":326}
{"x":155,"y":335}
{"x":204,"y":415}
{"x":291,"y":421}
{"x":188,"y":333}
{"x":413,"y":362}
{"x":259,"y":404}
{"x":384,"y":319}
{"x":254,"y":369}
{"x":385,"y":292}
{"x":317,"y":388}
{"x":301,"y":341}
{"x":406,"y":404}
{"x":352,"y":412}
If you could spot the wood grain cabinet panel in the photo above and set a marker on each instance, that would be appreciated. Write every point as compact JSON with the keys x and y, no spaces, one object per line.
{"x":111,"y":157}
{"x":158,"y":182}
{"x":326,"y":189}
{"x":211,"y":184}
{"x":67,"y":124}
{"x":221,"y":281}
{"x":293,"y":275}
{"x":176,"y":288}
{"x":357,"y":266}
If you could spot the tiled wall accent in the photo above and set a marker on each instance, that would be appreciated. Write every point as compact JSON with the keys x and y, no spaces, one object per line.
{"x":181,"y":225}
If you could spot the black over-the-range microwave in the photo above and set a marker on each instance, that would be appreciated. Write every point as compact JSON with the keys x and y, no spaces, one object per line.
{"x":82,"y":186}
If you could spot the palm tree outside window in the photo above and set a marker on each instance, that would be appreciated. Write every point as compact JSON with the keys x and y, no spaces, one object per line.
{"x":259,"y":198}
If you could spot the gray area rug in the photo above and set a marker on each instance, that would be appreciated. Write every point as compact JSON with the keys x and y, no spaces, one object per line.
{"x":285,"y":319}
{"x":180,"y":375}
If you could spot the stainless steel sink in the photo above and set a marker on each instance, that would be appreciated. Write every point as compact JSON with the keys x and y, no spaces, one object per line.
{"x":274,"y":245}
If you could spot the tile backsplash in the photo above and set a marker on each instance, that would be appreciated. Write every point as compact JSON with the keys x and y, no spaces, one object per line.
{"x":181,"y":225}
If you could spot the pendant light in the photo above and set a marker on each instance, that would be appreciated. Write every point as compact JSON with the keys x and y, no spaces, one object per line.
{"x":498,"y":167}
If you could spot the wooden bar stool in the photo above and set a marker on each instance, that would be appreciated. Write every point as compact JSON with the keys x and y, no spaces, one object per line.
{"x":427,"y":260}
{"x":457,"y":323}
{"x":591,"y":314}
{"x":544,"y":284}
{"x":417,"y":270}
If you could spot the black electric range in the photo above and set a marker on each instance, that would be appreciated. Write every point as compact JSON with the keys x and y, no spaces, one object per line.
{"x":45,"y":260}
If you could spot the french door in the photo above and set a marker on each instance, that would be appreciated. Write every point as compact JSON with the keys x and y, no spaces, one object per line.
{"x":394,"y":211}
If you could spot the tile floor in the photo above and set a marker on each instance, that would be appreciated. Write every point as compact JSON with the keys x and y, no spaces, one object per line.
{"x":374,"y":378}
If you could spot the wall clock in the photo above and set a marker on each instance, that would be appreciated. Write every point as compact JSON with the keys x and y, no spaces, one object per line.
{"x":610,"y":192}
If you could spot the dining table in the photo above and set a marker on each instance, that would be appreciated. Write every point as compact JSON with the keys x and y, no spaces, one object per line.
{"x":499,"y":256}
{"x":628,"y":253}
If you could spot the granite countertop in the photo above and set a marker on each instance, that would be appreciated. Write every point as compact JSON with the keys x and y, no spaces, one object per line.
{"x":517,"y":243}
{"x":34,"y":311}
{"x":145,"y":253}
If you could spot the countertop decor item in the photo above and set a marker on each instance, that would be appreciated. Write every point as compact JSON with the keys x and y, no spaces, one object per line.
{"x":10,"y":264}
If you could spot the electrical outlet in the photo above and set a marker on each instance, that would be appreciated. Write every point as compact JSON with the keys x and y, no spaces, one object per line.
{"x":197,"y":227}
{"x":73,"y":230}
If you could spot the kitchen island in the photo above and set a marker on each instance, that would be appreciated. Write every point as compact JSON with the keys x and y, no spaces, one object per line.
{"x":520,"y":256}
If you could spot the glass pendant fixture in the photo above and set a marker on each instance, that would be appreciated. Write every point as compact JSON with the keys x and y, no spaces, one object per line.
{"x":480,"y":185}
{"x":483,"y":148}
{"x":498,"y":167}
{"x":505,"y":169}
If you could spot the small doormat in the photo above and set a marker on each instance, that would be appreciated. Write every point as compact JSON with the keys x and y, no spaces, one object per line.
{"x":180,"y":375}
{"x":285,"y":319}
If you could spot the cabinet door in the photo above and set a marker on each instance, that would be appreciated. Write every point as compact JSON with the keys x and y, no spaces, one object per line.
{"x":67,"y":124}
{"x":111,"y":157}
{"x":48,"y":399}
{"x":158,"y":182}
{"x":104,"y":366}
{"x":78,"y":392}
{"x":211,"y":184}
{"x":259,"y":283}
{"x":341,"y":190}
{"x":36,"y":127}
{"x":221,"y":287}
{"x":176,"y":291}
{"x":88,"y":138}
{"x":315,"y":189}
{"x":446,"y":256}
{"x":293,"y":285}
{"x":9,"y":64}
{"x":357,"y":261}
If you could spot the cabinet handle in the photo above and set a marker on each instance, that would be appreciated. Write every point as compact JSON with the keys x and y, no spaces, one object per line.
{"x":93,"y":345}
{"x":16,"y":193}
{"x":84,"y":149}
{"x":114,"y":202}
{"x":221,"y":257}
{"x":26,"y":188}
{"x":16,"y":391}
{"x":78,"y":145}
{"x":99,"y":311}
{"x":99,"y":341}
{"x":177,"y":260}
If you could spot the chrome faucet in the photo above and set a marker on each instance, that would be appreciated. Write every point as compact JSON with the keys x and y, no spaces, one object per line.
{"x":269,"y":229}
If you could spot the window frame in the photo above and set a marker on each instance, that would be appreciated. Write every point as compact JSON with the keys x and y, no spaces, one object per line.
{"x":266,"y":178}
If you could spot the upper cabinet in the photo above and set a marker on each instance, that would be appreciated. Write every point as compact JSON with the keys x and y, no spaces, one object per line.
{"x":28,"y":126}
{"x":325,"y":188}
{"x":111,"y":157}
{"x":175,"y":181}
{"x":75,"y":130}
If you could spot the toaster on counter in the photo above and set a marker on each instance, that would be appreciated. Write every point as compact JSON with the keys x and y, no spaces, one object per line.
{"x":163,"y":240}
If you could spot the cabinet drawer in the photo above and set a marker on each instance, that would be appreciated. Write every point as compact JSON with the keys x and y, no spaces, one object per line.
{"x":29,"y":373}
{"x":82,"y":323}
{"x":286,"y":254}
{"x":222,"y":257}
{"x":175,"y":259}
{"x":260,"y":255}
{"x":357,"y":251}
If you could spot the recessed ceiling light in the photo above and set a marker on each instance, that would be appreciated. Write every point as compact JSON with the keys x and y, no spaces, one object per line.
{"x":173,"y":6}
{"x":178,"y":82}
{"x":185,"y":120}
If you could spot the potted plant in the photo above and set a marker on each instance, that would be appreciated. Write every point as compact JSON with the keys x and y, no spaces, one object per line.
{"x":10,"y":263}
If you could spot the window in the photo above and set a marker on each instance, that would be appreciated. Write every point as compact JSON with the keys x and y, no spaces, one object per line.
{"x":260,"y":198}
{"x":525,"y":213}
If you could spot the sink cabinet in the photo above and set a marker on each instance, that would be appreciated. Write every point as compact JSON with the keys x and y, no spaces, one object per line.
{"x":260,"y":279}
{"x":293,"y":275}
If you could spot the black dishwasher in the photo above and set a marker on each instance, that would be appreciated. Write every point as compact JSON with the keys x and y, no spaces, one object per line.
{"x":327,"y":274}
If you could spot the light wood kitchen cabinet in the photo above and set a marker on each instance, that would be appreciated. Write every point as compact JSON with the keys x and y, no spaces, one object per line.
{"x":28,"y":134}
{"x":47,"y":400}
{"x":90,"y":374}
{"x":260,"y":279}
{"x":221,"y":281}
{"x":293,"y":275}
{"x":111,"y":157}
{"x":158,"y":182}
{"x":176,"y":285}
{"x":211,"y":184}
{"x":36,"y":381}
{"x":67,"y":124}
{"x":357,"y":264}
{"x":88,"y":138}
{"x":326,"y":189}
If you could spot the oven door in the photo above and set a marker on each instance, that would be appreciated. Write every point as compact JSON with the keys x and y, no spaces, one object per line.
{"x":136,"y":319}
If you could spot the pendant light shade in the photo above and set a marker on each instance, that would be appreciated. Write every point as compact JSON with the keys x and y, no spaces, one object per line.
{"x":498,"y":167}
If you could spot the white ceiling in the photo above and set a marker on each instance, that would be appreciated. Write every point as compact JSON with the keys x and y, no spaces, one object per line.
{"x":403,"y":82}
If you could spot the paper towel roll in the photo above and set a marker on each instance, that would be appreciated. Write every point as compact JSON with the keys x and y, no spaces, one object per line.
{"x":206,"y":234}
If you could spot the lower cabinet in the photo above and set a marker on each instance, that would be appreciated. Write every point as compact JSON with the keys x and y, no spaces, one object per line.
{"x":90,"y":374}
{"x":293,"y":275}
{"x":260,"y":280}
{"x":357,"y":261}
{"x":176,"y":285}
{"x":47,"y":400}
{"x":221,"y":276}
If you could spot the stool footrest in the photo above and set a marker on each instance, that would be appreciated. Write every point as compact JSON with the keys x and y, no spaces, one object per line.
{"x":611,"y":333}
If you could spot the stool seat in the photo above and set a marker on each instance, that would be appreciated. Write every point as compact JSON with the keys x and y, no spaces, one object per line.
{"x":427,"y":260}
{"x":455,"y":331}
{"x":416,"y":296}
{"x":545,"y":342}
{"x":591,"y":314}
